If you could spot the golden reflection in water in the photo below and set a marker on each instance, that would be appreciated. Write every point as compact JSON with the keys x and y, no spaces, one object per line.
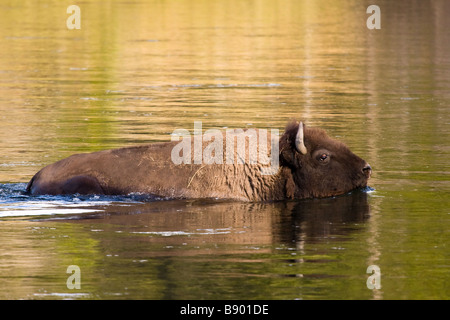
{"x":136,"y":71}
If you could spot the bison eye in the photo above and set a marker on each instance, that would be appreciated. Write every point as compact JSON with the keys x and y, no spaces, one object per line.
{"x":323,"y":158}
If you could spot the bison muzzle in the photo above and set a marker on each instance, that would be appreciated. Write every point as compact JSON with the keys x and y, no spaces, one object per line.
{"x":311,"y":165}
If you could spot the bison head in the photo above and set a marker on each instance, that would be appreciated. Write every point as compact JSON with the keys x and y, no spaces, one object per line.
{"x":320,"y":166}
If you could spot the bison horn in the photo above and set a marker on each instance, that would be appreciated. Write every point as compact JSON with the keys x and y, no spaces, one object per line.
{"x":299,"y":140}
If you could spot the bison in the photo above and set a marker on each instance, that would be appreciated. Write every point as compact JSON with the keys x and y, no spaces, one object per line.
{"x":311,"y":165}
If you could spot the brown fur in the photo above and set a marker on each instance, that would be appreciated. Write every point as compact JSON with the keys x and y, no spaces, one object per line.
{"x":149,"y":170}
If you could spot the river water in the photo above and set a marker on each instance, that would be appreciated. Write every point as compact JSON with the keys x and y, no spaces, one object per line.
{"x":137,"y":70}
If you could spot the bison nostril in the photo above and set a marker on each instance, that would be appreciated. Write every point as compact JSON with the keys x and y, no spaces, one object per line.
{"x":367,"y":170}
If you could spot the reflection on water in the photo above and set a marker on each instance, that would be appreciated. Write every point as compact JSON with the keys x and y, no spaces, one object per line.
{"x":136,"y":71}
{"x":317,"y":220}
{"x":179,"y":249}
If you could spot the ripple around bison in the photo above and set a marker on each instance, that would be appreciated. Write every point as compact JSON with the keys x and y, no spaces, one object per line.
{"x":16,"y":203}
